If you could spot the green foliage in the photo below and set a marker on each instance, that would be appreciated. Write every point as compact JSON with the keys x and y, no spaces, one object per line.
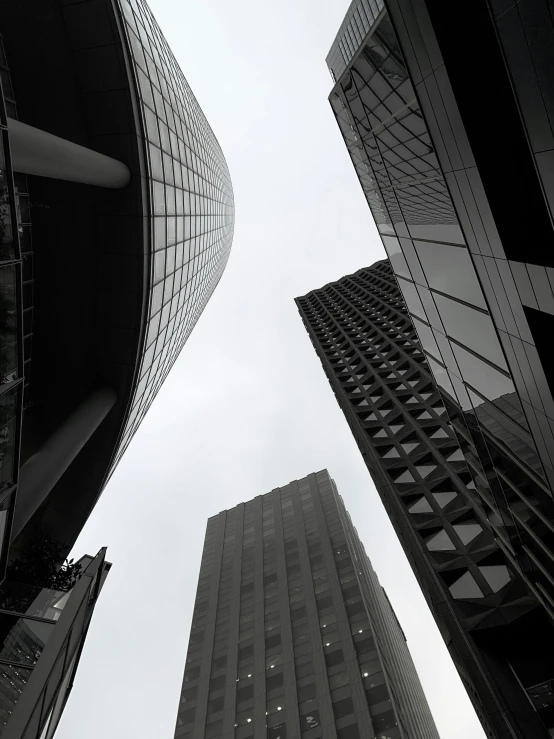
{"x":44,"y":564}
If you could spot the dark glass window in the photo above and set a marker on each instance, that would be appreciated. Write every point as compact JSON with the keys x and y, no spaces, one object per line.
{"x":192,"y":674}
{"x":187,"y":716}
{"x":214,"y":730}
{"x":334,"y":658}
{"x":216,"y":705}
{"x":245,"y":693}
{"x":384,"y":721}
{"x":304,"y":669}
{"x":343,"y":708}
{"x":349,"y":732}
{"x":274,"y":681}
{"x":306,"y":692}
{"x":279,"y":731}
{"x":217,"y":683}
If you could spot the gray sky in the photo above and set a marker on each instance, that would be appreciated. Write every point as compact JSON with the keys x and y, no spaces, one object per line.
{"x":247,"y":407}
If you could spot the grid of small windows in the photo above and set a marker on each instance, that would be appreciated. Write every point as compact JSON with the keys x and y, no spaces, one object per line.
{"x":260,"y":649}
{"x":355,"y":27}
{"x":373,"y":358}
{"x":370,"y":664}
{"x":192,"y":208}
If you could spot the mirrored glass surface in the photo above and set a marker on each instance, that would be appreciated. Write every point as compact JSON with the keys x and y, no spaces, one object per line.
{"x":192,"y":207}
{"x":449,"y":270}
{"x":472,"y":328}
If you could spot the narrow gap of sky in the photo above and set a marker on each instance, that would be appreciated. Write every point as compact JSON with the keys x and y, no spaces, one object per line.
{"x":247,"y":407}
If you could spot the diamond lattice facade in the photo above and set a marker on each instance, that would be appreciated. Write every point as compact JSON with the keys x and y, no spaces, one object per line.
{"x":292,"y":634}
{"x":369,"y":349}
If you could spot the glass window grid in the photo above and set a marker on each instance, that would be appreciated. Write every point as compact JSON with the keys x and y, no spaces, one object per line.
{"x":190,"y":178}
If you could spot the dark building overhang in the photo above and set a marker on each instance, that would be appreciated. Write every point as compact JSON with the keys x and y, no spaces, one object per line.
{"x":91,"y":244}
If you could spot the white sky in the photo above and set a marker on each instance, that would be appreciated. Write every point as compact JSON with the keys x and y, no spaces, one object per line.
{"x":247,"y":407}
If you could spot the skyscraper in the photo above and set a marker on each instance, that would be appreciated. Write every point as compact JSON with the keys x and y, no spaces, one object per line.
{"x":116,"y":222}
{"x":42,"y":633}
{"x":478,"y":298}
{"x":292,"y":634}
{"x":408,"y":98}
{"x":116,"y":225}
{"x":494,"y":627}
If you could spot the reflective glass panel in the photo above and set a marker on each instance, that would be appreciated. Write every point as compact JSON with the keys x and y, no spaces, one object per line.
{"x":472,"y":328}
{"x":449,"y":270}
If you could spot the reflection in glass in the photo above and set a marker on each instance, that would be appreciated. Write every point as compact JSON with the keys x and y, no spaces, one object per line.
{"x":8,"y":323}
{"x":7,"y":249}
{"x":22,"y":639}
{"x":472,"y":328}
{"x":32,"y":600}
{"x":449,"y":270}
{"x":427,"y":339}
{"x":485,"y":379}
{"x":412,"y":298}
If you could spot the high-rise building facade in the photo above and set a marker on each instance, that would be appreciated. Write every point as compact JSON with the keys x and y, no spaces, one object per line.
{"x":116,"y":225}
{"x":116,"y":222}
{"x":292,"y":634}
{"x":480,"y":299}
{"x":42,"y":632}
{"x":494,"y":627}
{"x":409,"y":96}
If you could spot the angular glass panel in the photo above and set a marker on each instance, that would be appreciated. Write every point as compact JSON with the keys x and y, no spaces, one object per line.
{"x":425,"y":469}
{"x":457,"y":456}
{"x":443,"y":499}
{"x":405,"y":477}
{"x":467,"y":531}
{"x":485,"y":379}
{"x":441,"y":542}
{"x":408,"y":448}
{"x":466,"y":587}
{"x":421,"y":506}
{"x":412,"y":299}
{"x":427,"y":339}
{"x":496,"y":575}
{"x":440,"y":434}
{"x":391,"y":454}
{"x":449,"y":270}
{"x":397,"y":259}
{"x":471,"y":328}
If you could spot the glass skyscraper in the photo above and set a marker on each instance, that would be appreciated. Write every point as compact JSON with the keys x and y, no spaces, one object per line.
{"x":409,"y":96}
{"x":493,"y":626}
{"x":116,"y":223}
{"x":292,"y":635}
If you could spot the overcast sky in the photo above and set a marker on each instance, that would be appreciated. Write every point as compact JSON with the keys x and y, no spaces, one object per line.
{"x":247,"y":407}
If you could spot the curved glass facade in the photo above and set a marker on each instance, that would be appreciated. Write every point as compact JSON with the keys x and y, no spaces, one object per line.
{"x":191,"y":208}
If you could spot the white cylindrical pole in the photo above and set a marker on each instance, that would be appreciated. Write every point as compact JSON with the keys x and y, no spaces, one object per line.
{"x":40,"y":153}
{"x":42,"y":471}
